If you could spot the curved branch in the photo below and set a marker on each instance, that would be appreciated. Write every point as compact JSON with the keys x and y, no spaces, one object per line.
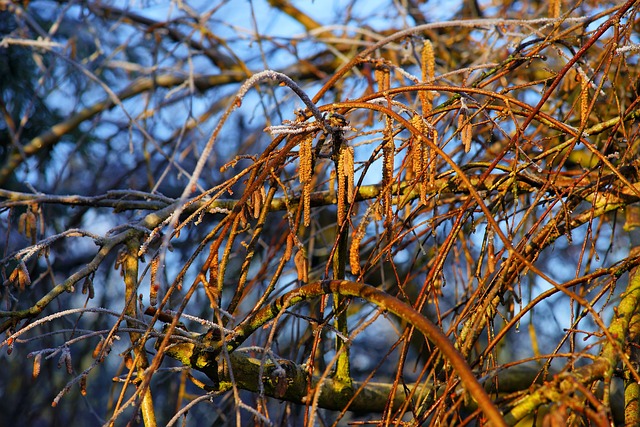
{"x":385,"y":302}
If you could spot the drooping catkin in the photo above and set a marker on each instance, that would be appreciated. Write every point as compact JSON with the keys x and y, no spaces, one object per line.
{"x":332,"y":183}
{"x":306,"y":175}
{"x":19,"y":277}
{"x":305,"y":154}
{"x":424,"y":166}
{"x":27,"y":223}
{"x":98,"y":348}
{"x":288,"y":251}
{"x":210,"y":285}
{"x":154,"y":287}
{"x":465,"y":128}
{"x":83,"y":385}
{"x":388,"y":159}
{"x":349,"y":171}
{"x":354,"y":249}
{"x":554,"y":8}
{"x":257,"y":200}
{"x":432,"y":134}
{"x":302,"y":265}
{"x":382,"y":76}
{"x":428,"y":74}
{"x":342,"y":186}
{"x":388,"y":153}
{"x":37,"y":364}
{"x":584,"y":100}
{"x":417,"y":145}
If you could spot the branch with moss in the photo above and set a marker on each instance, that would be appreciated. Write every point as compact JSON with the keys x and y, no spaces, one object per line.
{"x":204,"y":358}
{"x":285,"y":380}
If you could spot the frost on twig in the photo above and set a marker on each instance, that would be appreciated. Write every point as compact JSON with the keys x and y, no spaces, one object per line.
{"x":286,"y":80}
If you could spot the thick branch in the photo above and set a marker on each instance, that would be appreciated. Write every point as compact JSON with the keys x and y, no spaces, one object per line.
{"x":288,"y":381}
{"x":373,"y":295}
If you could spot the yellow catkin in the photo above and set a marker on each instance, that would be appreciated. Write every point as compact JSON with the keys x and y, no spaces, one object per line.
{"x":306,"y":175}
{"x":354,"y":249}
{"x":388,"y":152}
{"x":154,"y":287}
{"x":342,"y":188}
{"x":433,"y":136}
{"x":428,"y":74}
{"x":423,"y":165}
{"x":417,"y":163}
{"x":379,"y":76}
{"x":424,"y":178}
{"x":349,"y":171}
{"x":305,"y":154}
{"x":584,"y":100}
{"x":213,"y":269}
{"x":382,"y":76}
{"x":306,"y":203}
{"x":554,"y":8}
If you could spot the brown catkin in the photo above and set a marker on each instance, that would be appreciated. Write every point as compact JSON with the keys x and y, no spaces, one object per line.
{"x":98,"y":349}
{"x":288,"y":251}
{"x":388,"y":151}
{"x":37,"y":363}
{"x":464,"y":126}
{"x":68,"y":364}
{"x":332,"y":183}
{"x":19,"y":277}
{"x":83,"y":385}
{"x":302,"y":265}
{"x":257,"y":200}
{"x":382,"y":77}
{"x":210,"y":287}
